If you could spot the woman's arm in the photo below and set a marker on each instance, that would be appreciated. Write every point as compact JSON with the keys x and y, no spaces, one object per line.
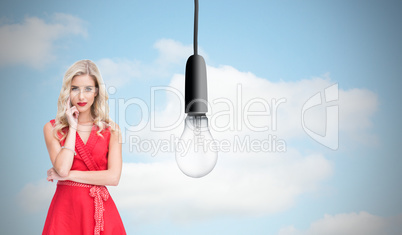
{"x":111,"y":176}
{"x":62,"y":159}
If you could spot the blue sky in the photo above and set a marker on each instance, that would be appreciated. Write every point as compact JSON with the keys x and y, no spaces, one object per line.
{"x":288,"y":50}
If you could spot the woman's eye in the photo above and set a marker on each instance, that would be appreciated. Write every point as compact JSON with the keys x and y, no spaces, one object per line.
{"x":74,"y":89}
{"x":88,"y":89}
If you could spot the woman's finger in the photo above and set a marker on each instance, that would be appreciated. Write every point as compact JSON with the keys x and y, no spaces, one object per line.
{"x":75,"y":111}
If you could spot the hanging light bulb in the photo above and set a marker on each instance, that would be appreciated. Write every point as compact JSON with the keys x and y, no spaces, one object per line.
{"x":200,"y":157}
{"x":196,"y":151}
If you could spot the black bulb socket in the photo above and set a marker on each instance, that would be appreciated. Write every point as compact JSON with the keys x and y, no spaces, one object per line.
{"x":196,"y":96}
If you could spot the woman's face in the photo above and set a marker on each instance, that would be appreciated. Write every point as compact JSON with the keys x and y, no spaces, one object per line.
{"x":83,"y":92}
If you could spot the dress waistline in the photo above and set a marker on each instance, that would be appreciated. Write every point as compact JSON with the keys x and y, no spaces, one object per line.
{"x":100,"y":194}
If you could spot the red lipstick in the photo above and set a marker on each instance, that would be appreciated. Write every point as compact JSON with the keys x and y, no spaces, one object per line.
{"x":82,"y":103}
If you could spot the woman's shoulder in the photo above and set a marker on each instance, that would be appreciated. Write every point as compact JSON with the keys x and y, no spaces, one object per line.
{"x":49,"y":125}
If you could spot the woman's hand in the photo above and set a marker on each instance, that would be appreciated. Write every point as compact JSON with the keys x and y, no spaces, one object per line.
{"x":52,"y":175}
{"x":72,"y":114}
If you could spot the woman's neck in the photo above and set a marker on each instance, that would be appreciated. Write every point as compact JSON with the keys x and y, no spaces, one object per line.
{"x":85,"y":118}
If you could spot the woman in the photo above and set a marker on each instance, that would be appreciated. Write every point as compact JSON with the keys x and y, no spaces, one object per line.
{"x":84,"y":146}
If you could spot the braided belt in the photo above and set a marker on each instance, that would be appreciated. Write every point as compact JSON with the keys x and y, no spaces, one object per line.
{"x":100,"y":194}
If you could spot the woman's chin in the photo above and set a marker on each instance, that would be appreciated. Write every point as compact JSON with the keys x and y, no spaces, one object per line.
{"x":82,"y":109}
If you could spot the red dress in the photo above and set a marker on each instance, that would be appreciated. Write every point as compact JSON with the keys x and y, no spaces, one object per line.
{"x":85,"y":209}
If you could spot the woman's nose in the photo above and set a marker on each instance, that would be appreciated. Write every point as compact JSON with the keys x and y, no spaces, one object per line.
{"x":81,"y":95}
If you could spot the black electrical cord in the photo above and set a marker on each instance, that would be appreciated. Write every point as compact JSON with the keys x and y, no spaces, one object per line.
{"x":195,"y":27}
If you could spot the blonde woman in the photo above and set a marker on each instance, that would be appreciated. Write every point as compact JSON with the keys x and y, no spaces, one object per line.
{"x":85,"y":149}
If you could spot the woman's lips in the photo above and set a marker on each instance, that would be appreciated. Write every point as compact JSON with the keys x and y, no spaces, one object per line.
{"x":82,"y":103}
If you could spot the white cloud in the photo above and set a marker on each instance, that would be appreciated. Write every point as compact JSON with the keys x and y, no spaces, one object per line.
{"x":357,"y":106}
{"x":36,"y":196}
{"x":239,"y":186}
{"x":32,"y":42}
{"x":350,"y":224}
{"x":172,"y":52}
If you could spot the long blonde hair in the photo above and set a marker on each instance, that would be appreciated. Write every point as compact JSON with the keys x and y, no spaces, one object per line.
{"x":100,"y":107}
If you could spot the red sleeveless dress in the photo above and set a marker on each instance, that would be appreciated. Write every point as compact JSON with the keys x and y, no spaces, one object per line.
{"x":84,"y":209}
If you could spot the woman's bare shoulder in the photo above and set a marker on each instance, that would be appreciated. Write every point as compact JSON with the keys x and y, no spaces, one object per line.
{"x":48,"y":129}
{"x":48,"y":126}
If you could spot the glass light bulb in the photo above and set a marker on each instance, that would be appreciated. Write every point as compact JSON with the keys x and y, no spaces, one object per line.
{"x":196,"y":151}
